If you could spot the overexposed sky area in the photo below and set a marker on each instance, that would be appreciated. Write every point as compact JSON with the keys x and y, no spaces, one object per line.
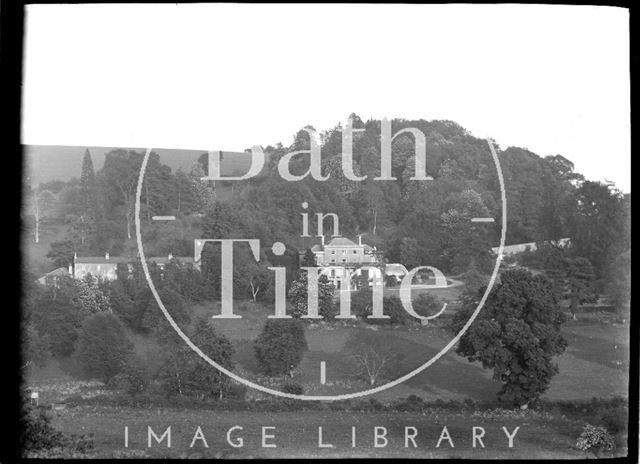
{"x":553,"y":79}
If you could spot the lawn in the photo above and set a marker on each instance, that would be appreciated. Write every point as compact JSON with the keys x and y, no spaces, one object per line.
{"x":595,"y":363}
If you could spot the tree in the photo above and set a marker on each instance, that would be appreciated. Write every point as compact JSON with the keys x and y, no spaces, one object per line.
{"x":182,"y":372}
{"x":574,"y":279}
{"x":298,"y":295}
{"x":61,"y":253}
{"x":204,"y":190}
{"x":280,"y":346}
{"x":409,"y":252}
{"x":120,"y":174}
{"x":103,"y":346}
{"x":41,"y":206}
{"x":88,"y":188}
{"x":134,"y":376}
{"x":619,"y":281}
{"x":599,"y":226}
{"x":205,"y":378}
{"x":260,"y":280}
{"x":426,"y":304}
{"x":187,"y":200}
{"x":54,"y":316}
{"x":465,"y":241}
{"x":84,"y":225}
{"x":309,"y":259}
{"x":371,"y":356}
{"x":516,"y":334}
{"x":173,"y":302}
{"x":36,"y":347}
{"x":90,"y":298}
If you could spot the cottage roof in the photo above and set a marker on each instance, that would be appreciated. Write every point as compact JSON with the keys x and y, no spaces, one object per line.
{"x":103,"y":260}
{"x":58,"y":271}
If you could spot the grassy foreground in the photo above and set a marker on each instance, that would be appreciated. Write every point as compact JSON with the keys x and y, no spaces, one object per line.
{"x":296,"y":433}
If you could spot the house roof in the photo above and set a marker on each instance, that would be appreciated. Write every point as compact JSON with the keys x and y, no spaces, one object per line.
{"x":316,"y":247}
{"x":61,"y":271}
{"x":165,"y":259}
{"x":341,"y":241}
{"x":58,"y":271}
{"x":395,"y":268}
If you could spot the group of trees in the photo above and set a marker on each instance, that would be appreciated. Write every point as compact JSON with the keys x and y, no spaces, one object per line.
{"x":414,"y":222}
{"x":98,"y":207}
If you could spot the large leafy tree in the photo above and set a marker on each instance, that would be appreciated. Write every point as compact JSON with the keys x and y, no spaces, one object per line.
{"x":182,"y":372}
{"x":516,"y":334}
{"x":280,"y":346}
{"x":599,"y":226}
{"x":103,"y":347}
{"x":54,"y":315}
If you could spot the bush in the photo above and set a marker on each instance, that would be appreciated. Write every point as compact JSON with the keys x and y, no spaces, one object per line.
{"x":426,"y":304}
{"x":38,"y":438}
{"x":102,"y":347}
{"x":293,"y":388}
{"x":134,"y":377}
{"x":595,"y":439}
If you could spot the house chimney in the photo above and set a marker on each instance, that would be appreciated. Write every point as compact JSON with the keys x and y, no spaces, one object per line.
{"x":106,"y":255}
{"x":170,"y":256}
{"x":360,"y":240}
{"x":322,"y":238}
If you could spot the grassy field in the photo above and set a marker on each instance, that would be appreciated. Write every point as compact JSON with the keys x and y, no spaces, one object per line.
{"x":595,"y":364}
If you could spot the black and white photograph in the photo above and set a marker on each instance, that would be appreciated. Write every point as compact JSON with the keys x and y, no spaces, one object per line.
{"x":262,"y":231}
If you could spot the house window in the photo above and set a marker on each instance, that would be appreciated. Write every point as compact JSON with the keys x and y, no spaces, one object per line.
{"x":333,"y":252}
{"x":355,"y":251}
{"x":344,"y":260}
{"x":333,"y":260}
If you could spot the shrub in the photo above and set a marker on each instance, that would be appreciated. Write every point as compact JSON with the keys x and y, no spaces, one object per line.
{"x":595,"y":439}
{"x":134,"y":377}
{"x":426,"y":304}
{"x":293,"y":388}
{"x":38,"y":438}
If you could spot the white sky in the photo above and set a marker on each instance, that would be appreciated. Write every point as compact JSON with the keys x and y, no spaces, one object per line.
{"x":553,"y":79}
